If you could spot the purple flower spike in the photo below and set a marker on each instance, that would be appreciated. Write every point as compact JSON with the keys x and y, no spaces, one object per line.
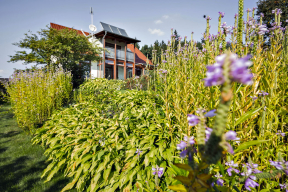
{"x":138,"y":152}
{"x":193,"y":120}
{"x":210,"y":113}
{"x":221,"y":14}
{"x":231,"y":135}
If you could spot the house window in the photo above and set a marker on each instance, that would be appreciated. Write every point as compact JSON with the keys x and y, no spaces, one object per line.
{"x":110,"y":45}
{"x":138,"y":71}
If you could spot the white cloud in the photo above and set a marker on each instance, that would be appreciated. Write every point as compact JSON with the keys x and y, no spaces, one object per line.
{"x":156,"y":31}
{"x":165,"y":16}
{"x":158,"y":21}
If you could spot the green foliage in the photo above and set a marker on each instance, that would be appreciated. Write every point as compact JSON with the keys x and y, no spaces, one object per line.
{"x":139,"y":83}
{"x":35,"y":95}
{"x":95,"y":141}
{"x":54,"y":47}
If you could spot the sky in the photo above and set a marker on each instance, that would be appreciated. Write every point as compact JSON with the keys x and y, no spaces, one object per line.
{"x":147,"y":20}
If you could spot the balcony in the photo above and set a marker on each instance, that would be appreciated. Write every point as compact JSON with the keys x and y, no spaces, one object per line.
{"x":110,"y":53}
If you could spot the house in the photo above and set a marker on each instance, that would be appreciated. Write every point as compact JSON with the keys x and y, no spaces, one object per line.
{"x":122,"y":59}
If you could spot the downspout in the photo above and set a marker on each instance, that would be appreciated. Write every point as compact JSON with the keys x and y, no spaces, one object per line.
{"x":103,"y":62}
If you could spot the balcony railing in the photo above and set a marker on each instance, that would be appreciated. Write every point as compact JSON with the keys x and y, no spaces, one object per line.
{"x":110,"y":53}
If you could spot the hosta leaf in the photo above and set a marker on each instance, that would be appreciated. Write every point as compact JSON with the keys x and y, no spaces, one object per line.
{"x":178,"y":188}
{"x":184,"y":180}
{"x":183,"y":166}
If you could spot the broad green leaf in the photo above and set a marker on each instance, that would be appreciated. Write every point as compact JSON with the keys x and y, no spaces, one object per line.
{"x":248,"y":144}
{"x":247,"y":115}
{"x":178,"y":188}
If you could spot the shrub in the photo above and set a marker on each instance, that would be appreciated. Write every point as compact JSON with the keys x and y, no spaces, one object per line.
{"x":35,"y":95}
{"x":97,"y":142}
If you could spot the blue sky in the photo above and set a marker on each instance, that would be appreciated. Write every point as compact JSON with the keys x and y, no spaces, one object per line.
{"x":147,"y":20}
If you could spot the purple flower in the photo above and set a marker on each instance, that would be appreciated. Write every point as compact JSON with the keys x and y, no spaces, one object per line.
{"x":221,"y":14}
{"x":210,"y":113}
{"x":219,"y":181}
{"x":250,"y":183}
{"x":226,"y":28}
{"x":278,"y":11}
{"x":254,"y":98}
{"x":138,"y":152}
{"x":208,"y":18}
{"x":208,"y":132}
{"x":231,"y":164}
{"x":158,"y":170}
{"x":262,"y":30}
{"x":280,"y":133}
{"x":164,"y":71}
{"x":262,"y":93}
{"x":182,"y":145}
{"x":230,"y":169}
{"x":236,"y":15}
{"x":248,"y":10}
{"x":280,"y":165}
{"x":190,"y":140}
{"x":284,"y":186}
{"x":261,"y":14}
{"x":239,"y":71}
{"x":192,"y":120}
{"x":183,"y":153}
{"x":254,"y":8}
{"x":164,"y":61}
{"x":231,"y":135}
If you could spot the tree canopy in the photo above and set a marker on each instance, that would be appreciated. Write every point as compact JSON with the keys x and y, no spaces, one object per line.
{"x":53,"y":47}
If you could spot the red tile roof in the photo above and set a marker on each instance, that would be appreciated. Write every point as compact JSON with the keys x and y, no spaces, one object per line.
{"x":140,"y":57}
{"x":58,"y":27}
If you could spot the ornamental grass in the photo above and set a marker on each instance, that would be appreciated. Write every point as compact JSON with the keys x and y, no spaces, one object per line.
{"x":35,"y":95}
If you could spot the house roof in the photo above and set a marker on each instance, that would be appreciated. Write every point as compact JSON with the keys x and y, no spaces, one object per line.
{"x":59,"y":27}
{"x":100,"y":34}
{"x":140,"y":57}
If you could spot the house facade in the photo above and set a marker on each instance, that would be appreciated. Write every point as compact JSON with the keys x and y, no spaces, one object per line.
{"x":121,"y":59}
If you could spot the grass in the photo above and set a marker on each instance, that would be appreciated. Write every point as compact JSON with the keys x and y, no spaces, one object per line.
{"x":21,"y":163}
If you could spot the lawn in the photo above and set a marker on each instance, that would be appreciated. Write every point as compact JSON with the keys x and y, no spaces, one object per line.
{"x":21,"y":163}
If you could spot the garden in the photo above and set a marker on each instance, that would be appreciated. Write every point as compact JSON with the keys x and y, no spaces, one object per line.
{"x":210,"y":119}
